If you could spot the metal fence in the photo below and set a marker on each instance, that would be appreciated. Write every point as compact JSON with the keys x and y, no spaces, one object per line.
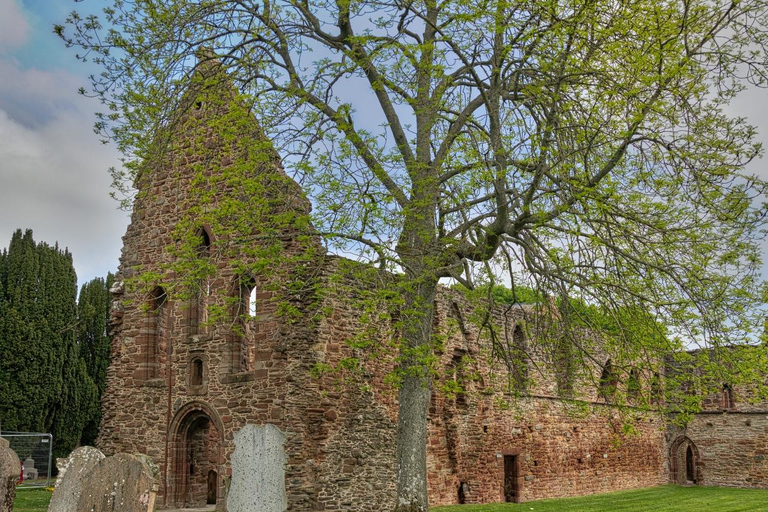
{"x":35,"y":452}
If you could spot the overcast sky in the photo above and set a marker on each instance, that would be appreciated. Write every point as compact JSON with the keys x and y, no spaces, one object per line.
{"x":53,"y":169}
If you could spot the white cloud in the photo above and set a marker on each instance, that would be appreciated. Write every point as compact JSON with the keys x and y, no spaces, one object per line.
{"x":14,"y":27}
{"x":53,"y":169}
{"x":752,"y":104}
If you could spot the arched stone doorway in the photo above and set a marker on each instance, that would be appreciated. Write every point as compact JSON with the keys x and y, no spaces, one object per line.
{"x":197,"y":437}
{"x":684,"y":463}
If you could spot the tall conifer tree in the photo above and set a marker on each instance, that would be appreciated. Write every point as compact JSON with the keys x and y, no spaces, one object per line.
{"x":53,"y":353}
{"x":94,"y":341}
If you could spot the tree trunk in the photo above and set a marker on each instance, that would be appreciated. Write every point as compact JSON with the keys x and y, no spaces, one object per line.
{"x":414,"y":396}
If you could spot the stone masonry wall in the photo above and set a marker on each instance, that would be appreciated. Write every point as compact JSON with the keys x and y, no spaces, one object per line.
{"x":731,"y":448}
{"x":178,"y":389}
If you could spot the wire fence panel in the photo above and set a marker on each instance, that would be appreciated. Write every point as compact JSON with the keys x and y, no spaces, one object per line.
{"x":35,"y":452}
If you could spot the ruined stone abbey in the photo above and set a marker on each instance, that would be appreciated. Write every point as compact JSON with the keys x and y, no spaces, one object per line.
{"x":180,"y":385}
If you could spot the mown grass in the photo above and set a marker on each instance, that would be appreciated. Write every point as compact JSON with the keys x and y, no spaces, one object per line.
{"x":669,"y":498}
{"x":31,"y":500}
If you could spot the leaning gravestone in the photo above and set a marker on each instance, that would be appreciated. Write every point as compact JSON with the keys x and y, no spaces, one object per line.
{"x":72,"y":472}
{"x":10,"y":469}
{"x":119,"y":483}
{"x":258,"y":471}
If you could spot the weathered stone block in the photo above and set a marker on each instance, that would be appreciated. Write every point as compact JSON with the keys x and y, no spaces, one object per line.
{"x":258,"y":470}
{"x":72,"y":472}
{"x":121,"y":482}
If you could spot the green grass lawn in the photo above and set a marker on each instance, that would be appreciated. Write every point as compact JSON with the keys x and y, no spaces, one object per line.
{"x":667,"y":498}
{"x":31,"y":500}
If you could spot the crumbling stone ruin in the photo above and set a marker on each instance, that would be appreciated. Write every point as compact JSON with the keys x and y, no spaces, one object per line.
{"x":180,"y":388}
{"x":726,"y":442}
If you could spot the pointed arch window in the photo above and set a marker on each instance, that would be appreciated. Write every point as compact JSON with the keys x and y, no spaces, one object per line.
{"x":519,"y":358}
{"x":245,"y":309}
{"x":252,"y":302}
{"x":196,"y":376}
{"x":203,"y":236}
{"x":154,"y":342}
{"x":609,"y":381}
{"x":728,"y":402}
{"x":656,"y":390}
{"x":634,"y":386}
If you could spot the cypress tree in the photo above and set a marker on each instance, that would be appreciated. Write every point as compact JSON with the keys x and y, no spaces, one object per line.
{"x":27,"y":348}
{"x":42,"y":388}
{"x":95,"y":344}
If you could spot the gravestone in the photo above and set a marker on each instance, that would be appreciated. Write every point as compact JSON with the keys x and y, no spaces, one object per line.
{"x":10,"y":469}
{"x":258,"y":470}
{"x":30,"y":471}
{"x":119,"y":483}
{"x":69,"y":482}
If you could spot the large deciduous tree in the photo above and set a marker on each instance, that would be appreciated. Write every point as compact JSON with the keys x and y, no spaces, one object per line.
{"x":578,"y":146}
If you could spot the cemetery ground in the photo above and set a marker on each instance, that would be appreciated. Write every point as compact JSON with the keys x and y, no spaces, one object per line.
{"x":31,"y":500}
{"x":669,"y":498}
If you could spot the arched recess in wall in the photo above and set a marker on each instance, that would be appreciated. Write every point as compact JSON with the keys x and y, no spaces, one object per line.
{"x":728,"y":401}
{"x":520,"y":357}
{"x":634,"y":386}
{"x":656,"y":389}
{"x":609,"y":381}
{"x":203,"y":237}
{"x":197,"y":372}
{"x":564,"y":365}
{"x":684,"y":462}
{"x":155,"y":337}
{"x":197,"y":309}
{"x":458,"y":374}
{"x":196,"y":440}
{"x":245,"y":310}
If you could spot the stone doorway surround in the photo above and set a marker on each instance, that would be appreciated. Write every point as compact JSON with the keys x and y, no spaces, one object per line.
{"x":684,"y":462}
{"x":196,"y":441}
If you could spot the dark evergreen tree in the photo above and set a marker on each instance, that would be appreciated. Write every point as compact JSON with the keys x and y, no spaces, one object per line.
{"x":36,"y":332}
{"x":53,"y":351}
{"x":95,"y":344}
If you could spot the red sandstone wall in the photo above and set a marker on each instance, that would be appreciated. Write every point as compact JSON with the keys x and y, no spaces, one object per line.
{"x":340,"y":429}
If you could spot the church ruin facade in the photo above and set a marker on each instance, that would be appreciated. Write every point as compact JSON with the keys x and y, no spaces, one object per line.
{"x":188,"y":374}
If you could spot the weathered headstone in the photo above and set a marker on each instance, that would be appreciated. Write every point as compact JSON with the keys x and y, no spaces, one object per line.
{"x":72,"y":471}
{"x":30,"y":471}
{"x":10,"y":469}
{"x":119,"y":483}
{"x":258,"y":470}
